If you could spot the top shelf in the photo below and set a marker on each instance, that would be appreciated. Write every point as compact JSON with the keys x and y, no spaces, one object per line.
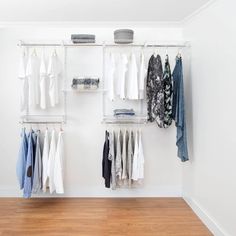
{"x":106,"y":44}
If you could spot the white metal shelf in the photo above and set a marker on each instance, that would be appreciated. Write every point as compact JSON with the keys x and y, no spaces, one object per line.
{"x":83,"y":90}
{"x":176,"y":44}
{"x":136,"y":119}
{"x":43,"y":119}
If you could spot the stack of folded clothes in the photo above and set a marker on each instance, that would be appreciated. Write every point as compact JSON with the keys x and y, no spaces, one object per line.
{"x":83,"y":38}
{"x":124,"y":112}
{"x":85,"y":83}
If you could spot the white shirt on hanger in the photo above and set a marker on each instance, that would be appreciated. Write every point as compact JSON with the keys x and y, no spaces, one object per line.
{"x":42,"y":82}
{"x":118,"y":156}
{"x":51,"y":162}
{"x":54,"y":70}
{"x":135,"y":170}
{"x":142,"y":76}
{"x":32,"y":72}
{"x":121,"y":76}
{"x":45,"y":160}
{"x":58,"y":168}
{"x":124,"y":155}
{"x":140,"y":157}
{"x":132,"y":79}
{"x":109,"y":75}
{"x":24,"y":81}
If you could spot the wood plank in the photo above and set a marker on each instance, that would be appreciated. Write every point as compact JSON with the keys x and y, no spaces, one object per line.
{"x":99,"y":217}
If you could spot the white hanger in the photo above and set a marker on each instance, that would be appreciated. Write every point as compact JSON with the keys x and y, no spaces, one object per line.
{"x":34,"y":52}
{"x":179,"y":53}
{"x":61,"y":128}
{"x":54,"y":52}
{"x":24,"y":52}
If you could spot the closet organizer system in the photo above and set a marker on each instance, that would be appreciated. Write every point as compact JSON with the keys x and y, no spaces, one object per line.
{"x":41,"y":168}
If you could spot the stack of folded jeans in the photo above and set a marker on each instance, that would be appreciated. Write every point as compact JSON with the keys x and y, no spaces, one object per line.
{"x":83,"y":38}
{"x":123,"y":112}
{"x":85,"y":83}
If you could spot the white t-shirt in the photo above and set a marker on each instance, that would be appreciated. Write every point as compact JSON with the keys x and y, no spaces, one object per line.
{"x":58,"y":168}
{"x":54,"y":70}
{"x":24,"y":82}
{"x":32,"y":72}
{"x":42,"y":83}
{"x":132,"y":79}
{"x":51,"y":162}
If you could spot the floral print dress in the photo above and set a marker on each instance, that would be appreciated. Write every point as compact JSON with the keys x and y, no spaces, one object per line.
{"x":155,"y":92}
{"x":168,"y":91}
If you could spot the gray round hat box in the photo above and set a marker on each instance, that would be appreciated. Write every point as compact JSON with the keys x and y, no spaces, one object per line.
{"x":123,"y":36}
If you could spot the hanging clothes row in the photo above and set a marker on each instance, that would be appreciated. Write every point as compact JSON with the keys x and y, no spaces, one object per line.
{"x":124,"y":77}
{"x":40,"y":166}
{"x":165,"y":99}
{"x":123,"y":158}
{"x":38,"y":81}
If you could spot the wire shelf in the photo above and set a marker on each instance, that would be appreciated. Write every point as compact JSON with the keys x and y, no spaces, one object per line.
{"x":137,"y":119}
{"x":41,"y":119}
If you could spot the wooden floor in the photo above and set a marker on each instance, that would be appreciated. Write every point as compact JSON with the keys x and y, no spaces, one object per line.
{"x":99,"y":217}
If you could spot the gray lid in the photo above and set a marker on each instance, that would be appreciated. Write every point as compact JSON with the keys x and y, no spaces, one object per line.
{"x":124,"y":31}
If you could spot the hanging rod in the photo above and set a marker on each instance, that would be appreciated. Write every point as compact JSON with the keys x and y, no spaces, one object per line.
{"x":125,"y":123}
{"x":42,"y":122}
{"x":165,"y":45}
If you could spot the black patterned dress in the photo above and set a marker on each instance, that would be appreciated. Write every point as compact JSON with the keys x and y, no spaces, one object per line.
{"x":167,"y":86}
{"x":155,"y":91}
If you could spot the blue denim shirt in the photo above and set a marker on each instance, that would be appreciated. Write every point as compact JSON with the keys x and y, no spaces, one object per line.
{"x":178,"y":110}
{"x":28,"y":181}
{"x":21,"y":162}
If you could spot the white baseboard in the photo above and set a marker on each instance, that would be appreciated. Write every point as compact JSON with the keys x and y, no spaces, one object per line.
{"x":205,"y":217}
{"x":164,"y":191}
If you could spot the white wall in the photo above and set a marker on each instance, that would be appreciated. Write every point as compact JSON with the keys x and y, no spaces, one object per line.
{"x":84,"y":132}
{"x":210,"y":178}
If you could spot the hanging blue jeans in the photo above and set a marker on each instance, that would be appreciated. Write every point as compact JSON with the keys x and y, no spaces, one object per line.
{"x":178,"y":110}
